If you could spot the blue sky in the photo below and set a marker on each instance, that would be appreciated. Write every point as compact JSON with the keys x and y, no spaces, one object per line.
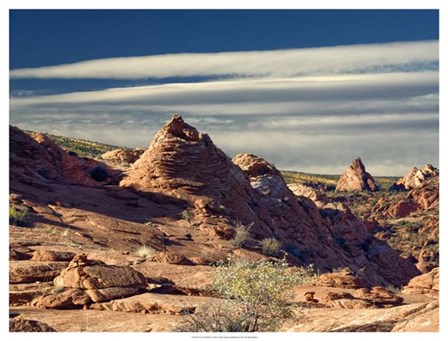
{"x":307,"y":90}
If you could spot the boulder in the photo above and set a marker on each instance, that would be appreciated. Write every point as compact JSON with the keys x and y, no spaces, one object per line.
{"x":101,"y":282}
{"x":355,"y":178}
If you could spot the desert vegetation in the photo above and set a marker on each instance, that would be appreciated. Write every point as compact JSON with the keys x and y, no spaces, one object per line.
{"x":257,"y":296}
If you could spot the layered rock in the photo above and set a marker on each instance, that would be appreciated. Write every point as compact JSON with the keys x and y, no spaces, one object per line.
{"x":416,"y":178}
{"x":127,"y":156}
{"x":185,"y":165}
{"x":85,"y":281}
{"x":39,"y":159}
{"x":355,"y":178}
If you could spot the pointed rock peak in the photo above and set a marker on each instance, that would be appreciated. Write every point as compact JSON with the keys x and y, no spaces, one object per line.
{"x":177,"y":127}
{"x":355,"y":178}
{"x":357,"y":164}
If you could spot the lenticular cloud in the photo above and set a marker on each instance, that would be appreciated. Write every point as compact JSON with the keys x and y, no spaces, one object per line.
{"x":371,"y":58}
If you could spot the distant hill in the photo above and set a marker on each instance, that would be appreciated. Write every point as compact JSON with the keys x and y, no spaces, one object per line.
{"x":330,"y":180}
{"x":83,"y":148}
{"x":92,"y":149}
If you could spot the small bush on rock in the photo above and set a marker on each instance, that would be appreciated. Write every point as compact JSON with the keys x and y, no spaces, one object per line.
{"x":270,"y":247}
{"x":18,"y":217}
{"x":242,"y":235}
{"x":146,"y":251}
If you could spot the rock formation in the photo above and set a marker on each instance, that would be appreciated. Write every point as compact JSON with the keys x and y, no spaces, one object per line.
{"x":122,"y":156}
{"x":85,"y":281}
{"x":426,"y":284}
{"x":320,"y":199}
{"x":355,"y":178}
{"x":416,"y":178}
{"x":38,"y":159}
{"x":184,"y":164}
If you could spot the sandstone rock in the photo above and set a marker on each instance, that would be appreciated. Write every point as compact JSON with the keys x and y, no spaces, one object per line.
{"x":427,"y":320}
{"x":24,"y":293}
{"x":416,"y":178}
{"x":345,"y":301}
{"x":156,"y":304}
{"x":81,"y":321}
{"x":185,"y":165}
{"x":101,"y":282}
{"x":427,"y":196}
{"x":427,"y":284}
{"x":379,"y":297}
{"x":341,"y":279}
{"x":99,"y":277}
{"x":356,"y":178}
{"x":39,"y":159}
{"x":427,"y":260}
{"x":107,"y":294}
{"x":50,"y":255}
{"x":123,"y":155}
{"x":33,"y":271}
{"x":70,"y":298}
{"x":400,"y":209}
{"x":369,"y":320}
{"x":171,"y":258}
{"x":320,"y":199}
{"x":18,"y":255}
{"x":30,"y":326}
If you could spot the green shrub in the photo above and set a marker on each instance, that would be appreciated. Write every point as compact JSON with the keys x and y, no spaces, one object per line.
{"x":187,"y":215}
{"x":258,"y":294}
{"x":18,"y":217}
{"x":242,"y":235}
{"x":270,"y":247}
{"x":146,"y":251}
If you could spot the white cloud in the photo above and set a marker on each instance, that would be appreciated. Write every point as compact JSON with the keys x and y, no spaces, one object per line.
{"x":274,"y":63}
{"x":305,"y":89}
{"x":315,"y":115}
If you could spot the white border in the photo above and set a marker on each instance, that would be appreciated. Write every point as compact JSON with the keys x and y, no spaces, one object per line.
{"x":6,"y":5}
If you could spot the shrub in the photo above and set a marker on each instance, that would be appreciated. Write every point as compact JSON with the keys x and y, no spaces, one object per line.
{"x":18,"y":217}
{"x":270,"y":246}
{"x":187,"y":215}
{"x":241,"y":237}
{"x":259,"y":290}
{"x":146,"y":251}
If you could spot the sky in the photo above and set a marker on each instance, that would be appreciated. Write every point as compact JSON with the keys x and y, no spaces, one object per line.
{"x":308,"y":90}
